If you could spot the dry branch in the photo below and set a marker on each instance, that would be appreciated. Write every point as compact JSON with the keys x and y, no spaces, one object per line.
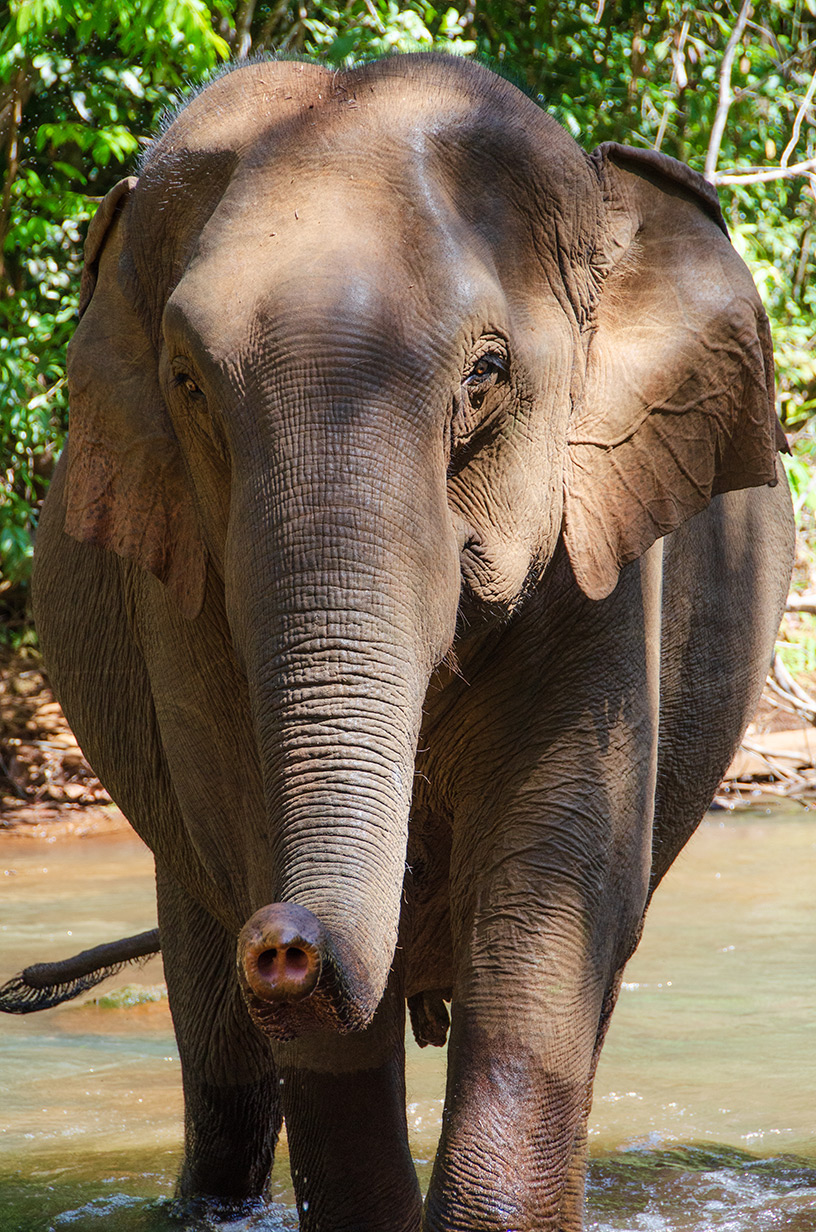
{"x":802,"y":603}
{"x":797,"y":123}
{"x":758,"y":174}
{"x":243,"y":33}
{"x":726,"y":96}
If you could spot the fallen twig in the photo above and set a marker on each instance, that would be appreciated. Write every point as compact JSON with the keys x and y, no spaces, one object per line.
{"x":791,"y":690}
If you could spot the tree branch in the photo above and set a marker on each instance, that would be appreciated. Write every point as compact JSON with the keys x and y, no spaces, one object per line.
{"x":243,"y":33}
{"x":18,"y":90}
{"x":802,"y":603}
{"x":12,"y":161}
{"x":761,"y":174}
{"x":797,"y":123}
{"x":725,"y":99}
{"x":272,"y":25}
{"x":678,"y":78}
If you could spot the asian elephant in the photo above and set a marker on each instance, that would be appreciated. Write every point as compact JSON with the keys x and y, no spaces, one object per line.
{"x":409,"y":579}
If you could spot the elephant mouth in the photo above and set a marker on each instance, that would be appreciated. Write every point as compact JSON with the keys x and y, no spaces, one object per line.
{"x":487,"y":597}
{"x":321,"y":1011}
{"x":291,"y":979}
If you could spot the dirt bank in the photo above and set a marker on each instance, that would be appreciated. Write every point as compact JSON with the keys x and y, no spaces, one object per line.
{"x":46,"y":786}
{"x":48,"y":789}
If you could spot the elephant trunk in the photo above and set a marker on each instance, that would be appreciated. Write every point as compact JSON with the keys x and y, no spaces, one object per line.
{"x":340,"y":607}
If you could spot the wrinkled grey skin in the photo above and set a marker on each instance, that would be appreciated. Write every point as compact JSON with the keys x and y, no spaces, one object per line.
{"x":416,"y":560}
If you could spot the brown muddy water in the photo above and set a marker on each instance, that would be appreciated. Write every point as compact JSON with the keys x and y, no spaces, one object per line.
{"x":704,"y":1103}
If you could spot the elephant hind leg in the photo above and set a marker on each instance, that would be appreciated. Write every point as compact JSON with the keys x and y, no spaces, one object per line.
{"x":725,"y":581}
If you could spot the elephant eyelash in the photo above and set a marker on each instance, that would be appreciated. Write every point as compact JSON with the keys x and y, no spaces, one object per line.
{"x":487,"y":371}
{"x":184,"y":382}
{"x":486,"y":365}
{"x":203,"y":423}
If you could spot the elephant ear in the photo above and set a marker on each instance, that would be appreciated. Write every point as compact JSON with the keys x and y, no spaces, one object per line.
{"x":127,"y":490}
{"x":678,"y":400}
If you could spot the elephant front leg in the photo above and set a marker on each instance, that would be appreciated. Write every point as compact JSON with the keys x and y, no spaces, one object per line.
{"x":511,"y":1127}
{"x":552,"y":832}
{"x":344,"y":1103}
{"x":571,"y":1214}
{"x":232,"y":1114}
{"x":537,"y":949}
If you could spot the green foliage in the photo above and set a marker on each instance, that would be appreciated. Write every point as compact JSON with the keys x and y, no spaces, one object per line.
{"x":81,"y":87}
{"x":648,"y":75}
{"x":83,"y":83}
{"x":129,"y":995}
{"x":797,"y":644}
{"x":801,"y":470}
{"x":344,"y":33}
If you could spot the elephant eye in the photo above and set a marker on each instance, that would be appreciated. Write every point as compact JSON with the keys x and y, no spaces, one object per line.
{"x":486,"y":372}
{"x":184,"y":381}
{"x":471,"y":423}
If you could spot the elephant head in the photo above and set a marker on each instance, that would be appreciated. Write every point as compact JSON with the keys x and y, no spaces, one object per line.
{"x":357,"y":351}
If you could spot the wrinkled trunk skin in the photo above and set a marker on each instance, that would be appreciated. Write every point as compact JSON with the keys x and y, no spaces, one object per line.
{"x":340,"y":605}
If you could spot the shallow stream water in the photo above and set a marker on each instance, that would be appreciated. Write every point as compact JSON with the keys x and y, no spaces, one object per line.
{"x":704,"y":1101}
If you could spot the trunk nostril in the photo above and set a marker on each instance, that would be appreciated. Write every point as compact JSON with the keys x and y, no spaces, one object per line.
{"x":290,"y":963}
{"x":267,"y":962}
{"x":279,"y":953}
{"x":296,"y":960}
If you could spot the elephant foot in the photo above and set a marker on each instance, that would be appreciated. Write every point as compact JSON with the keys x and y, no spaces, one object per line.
{"x":206,"y":1212}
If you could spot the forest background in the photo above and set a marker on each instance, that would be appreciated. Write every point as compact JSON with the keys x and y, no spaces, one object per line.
{"x":728,"y":88}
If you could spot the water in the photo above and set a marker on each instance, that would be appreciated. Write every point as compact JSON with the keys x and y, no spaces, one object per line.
{"x":703,"y":1115}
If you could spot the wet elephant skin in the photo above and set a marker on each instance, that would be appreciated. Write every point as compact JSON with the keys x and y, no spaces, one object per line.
{"x":409,"y":578}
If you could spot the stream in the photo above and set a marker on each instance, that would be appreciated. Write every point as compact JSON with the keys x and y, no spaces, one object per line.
{"x":704,"y":1101}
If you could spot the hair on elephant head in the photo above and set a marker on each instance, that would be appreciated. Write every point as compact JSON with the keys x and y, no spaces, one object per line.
{"x":377,"y":368}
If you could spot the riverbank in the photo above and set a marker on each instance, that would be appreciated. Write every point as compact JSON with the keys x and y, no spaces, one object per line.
{"x":48,"y":789}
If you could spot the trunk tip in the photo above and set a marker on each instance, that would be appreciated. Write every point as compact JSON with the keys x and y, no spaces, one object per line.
{"x":280,"y":953}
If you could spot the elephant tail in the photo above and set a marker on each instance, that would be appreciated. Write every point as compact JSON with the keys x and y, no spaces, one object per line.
{"x":44,"y":985}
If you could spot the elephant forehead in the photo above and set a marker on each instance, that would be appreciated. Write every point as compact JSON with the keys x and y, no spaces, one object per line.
{"x":328,"y":263}
{"x":230,"y":113}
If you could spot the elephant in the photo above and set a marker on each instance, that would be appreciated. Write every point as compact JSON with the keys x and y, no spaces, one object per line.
{"x":409,"y":578}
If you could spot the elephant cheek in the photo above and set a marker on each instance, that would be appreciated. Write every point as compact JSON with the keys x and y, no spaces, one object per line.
{"x":507,"y":503}
{"x":497,"y":568}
